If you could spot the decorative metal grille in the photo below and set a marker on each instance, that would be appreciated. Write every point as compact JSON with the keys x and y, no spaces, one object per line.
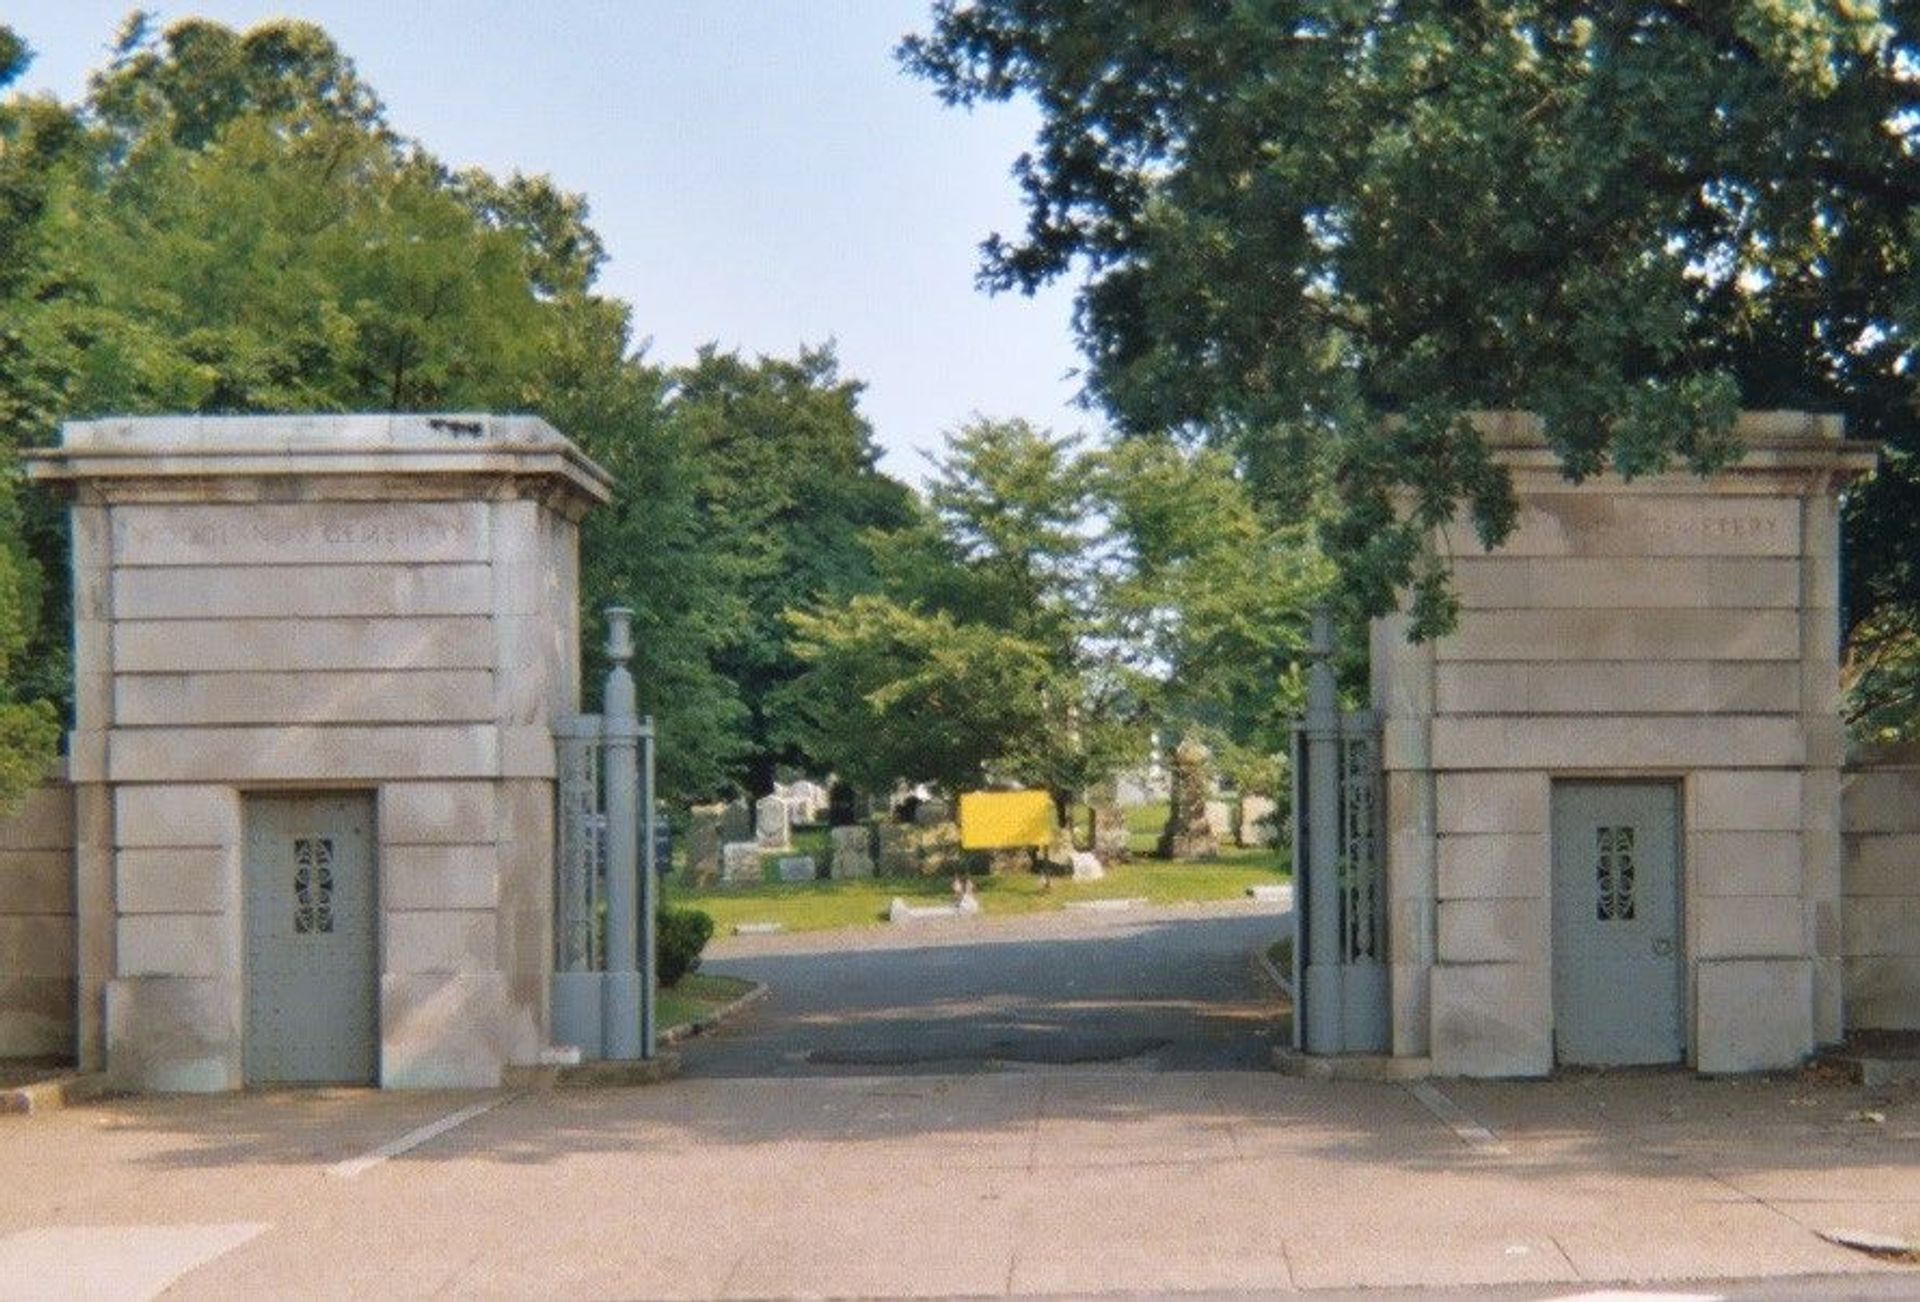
{"x":1362,"y":901}
{"x":312,"y":885}
{"x":581,"y":864}
{"x":1614,"y":873}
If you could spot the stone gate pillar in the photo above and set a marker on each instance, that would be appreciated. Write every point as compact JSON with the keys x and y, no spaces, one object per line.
{"x":378,"y":609}
{"x":1672,"y":635}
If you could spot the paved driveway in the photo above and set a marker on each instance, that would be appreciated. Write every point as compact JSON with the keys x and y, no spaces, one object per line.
{"x":1167,"y":989}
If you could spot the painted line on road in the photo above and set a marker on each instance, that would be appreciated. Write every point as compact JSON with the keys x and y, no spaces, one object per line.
{"x":413,"y":1139}
{"x":1471,"y":1132}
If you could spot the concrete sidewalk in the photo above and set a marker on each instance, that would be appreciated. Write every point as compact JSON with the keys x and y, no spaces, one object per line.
{"x":1071,"y":1180}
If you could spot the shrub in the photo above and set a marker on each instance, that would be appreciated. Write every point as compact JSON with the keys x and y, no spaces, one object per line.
{"x":682,"y":934}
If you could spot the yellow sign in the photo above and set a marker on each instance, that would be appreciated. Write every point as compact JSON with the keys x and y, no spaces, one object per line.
{"x":1005,"y":820}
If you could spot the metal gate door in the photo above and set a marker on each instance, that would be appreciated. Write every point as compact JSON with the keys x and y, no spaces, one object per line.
{"x":312,"y":987}
{"x":1617,"y":979}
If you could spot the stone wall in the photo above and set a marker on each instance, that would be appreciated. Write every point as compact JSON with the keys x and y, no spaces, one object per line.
{"x":1667,"y":629}
{"x":36,"y":926}
{"x":1880,"y":824}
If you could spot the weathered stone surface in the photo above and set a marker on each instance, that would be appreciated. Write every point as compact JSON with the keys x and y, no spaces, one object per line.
{"x":1492,"y":866}
{"x":1110,"y":837}
{"x":1492,"y":1019}
{"x":302,"y":591}
{"x":703,"y":843}
{"x":1086,"y":866}
{"x":797,"y":868}
{"x":1220,"y":820}
{"x":740,"y":863}
{"x":187,"y":700}
{"x":932,"y":812}
{"x":451,"y":1031}
{"x":736,"y":821}
{"x":437,"y":813}
{"x":442,"y":940}
{"x":1258,"y":823}
{"x":195,"y":879}
{"x":899,"y":850}
{"x":1188,"y":834}
{"x":770,"y":827}
{"x":1754,"y":1015}
{"x":852,"y":853}
{"x":173,"y":1034}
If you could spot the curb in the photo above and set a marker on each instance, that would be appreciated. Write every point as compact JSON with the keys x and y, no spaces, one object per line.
{"x":53,"y":1095}
{"x":701,"y":1025}
{"x":1265,"y":965}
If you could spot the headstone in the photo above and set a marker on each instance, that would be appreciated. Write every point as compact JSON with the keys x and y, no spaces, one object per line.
{"x":1110,"y":840}
{"x":703,"y":844}
{"x":1220,"y":820}
{"x":798,"y":868}
{"x":805,"y":800}
{"x":1188,"y":835}
{"x":736,"y":821}
{"x":843,"y":805}
{"x":740,"y":863}
{"x":852,"y":852}
{"x":1087,"y":866}
{"x":770,"y":823}
{"x":939,"y":848}
{"x":932,"y":812}
{"x":1257,"y":823}
{"x":899,"y":851}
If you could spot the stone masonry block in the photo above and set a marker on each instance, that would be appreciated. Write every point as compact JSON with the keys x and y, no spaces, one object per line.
{"x":1881,"y":924}
{"x":436,"y":813}
{"x":1586,"y":688}
{"x":1883,"y":992}
{"x":1628,"y":582}
{"x":1754,"y":926}
{"x":1487,"y":866}
{"x":1492,"y":1019}
{"x":300,"y":533}
{"x":1745,"y":800}
{"x":450,"y":1031}
{"x":44,"y":820}
{"x":356,"y":696}
{"x":189,"y":645}
{"x":36,"y":1016}
{"x":175,"y":945}
{"x":301,"y":591}
{"x":176,"y":815}
{"x":303,"y":754}
{"x":1608,"y":524}
{"x":1745,"y":863}
{"x":1633,"y":744}
{"x":36,"y":881}
{"x":1624,"y":635}
{"x":441,"y":940}
{"x":173,"y":1034}
{"x":1882,"y":863}
{"x":194,"y":879}
{"x":1753,"y":1015}
{"x":37,"y":946}
{"x":1880,"y":800}
{"x":427,"y":877}
{"x":1491,"y":802}
{"x":1829,"y":1000}
{"x":1491,"y":931}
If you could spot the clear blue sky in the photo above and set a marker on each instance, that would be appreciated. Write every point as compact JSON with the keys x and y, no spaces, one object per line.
{"x":761,"y":171}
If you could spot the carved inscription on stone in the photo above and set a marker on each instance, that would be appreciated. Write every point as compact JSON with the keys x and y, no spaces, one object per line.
{"x":292,"y":533}
{"x":1578,"y":525}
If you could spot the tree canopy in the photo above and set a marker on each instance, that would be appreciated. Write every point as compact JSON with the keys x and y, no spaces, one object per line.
{"x":1049,"y":607}
{"x":1295,"y":219}
{"x":229,"y":223}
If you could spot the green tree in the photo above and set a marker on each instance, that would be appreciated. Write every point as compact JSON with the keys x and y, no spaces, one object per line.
{"x":1296,"y":220}
{"x":786,"y":487}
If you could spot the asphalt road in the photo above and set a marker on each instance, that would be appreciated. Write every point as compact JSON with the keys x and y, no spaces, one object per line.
{"x":1167,"y":989}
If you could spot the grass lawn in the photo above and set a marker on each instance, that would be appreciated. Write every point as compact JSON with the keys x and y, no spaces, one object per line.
{"x":697,"y":995}
{"x":821,"y":906}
